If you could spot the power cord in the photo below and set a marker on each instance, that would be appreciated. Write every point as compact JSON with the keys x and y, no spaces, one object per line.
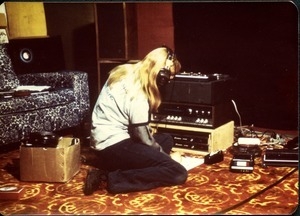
{"x":240,"y":118}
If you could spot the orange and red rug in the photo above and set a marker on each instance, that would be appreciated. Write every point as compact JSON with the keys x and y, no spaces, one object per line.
{"x":210,"y":189}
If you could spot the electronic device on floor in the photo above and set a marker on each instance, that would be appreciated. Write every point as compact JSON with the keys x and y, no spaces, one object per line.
{"x":280,"y":157}
{"x":246,"y":146}
{"x":214,"y":157}
{"x":242,"y":163}
{"x":288,"y":156}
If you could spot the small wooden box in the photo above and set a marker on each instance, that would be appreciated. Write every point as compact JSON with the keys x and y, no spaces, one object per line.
{"x":11,"y":192}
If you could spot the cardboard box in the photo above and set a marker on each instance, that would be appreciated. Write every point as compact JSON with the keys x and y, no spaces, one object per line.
{"x":3,"y":22}
{"x":58,"y":164}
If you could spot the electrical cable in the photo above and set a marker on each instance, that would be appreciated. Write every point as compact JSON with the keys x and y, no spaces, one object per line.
{"x":240,"y":118}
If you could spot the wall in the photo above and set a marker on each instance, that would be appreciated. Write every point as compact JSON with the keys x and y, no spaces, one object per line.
{"x":26,"y":19}
{"x":155,"y":26}
{"x":256,"y":43}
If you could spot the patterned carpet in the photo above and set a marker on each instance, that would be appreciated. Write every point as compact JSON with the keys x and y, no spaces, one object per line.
{"x":210,"y":189}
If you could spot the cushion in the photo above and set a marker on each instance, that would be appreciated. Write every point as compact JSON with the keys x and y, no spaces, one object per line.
{"x":8,"y":78}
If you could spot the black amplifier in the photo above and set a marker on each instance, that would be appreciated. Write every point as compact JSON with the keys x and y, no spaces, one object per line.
{"x":210,"y":116}
{"x":198,"y":88}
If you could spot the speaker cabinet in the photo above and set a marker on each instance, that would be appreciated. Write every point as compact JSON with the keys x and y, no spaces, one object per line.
{"x":111,"y":23}
{"x":116,"y":36}
{"x":33,"y":55}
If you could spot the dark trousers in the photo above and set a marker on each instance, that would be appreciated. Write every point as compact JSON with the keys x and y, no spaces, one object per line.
{"x":137,"y":167}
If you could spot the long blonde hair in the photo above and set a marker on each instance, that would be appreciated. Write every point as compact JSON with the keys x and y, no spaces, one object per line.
{"x":144,"y":74}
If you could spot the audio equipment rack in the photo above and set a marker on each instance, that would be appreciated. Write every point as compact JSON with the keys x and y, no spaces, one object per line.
{"x":197,"y":140}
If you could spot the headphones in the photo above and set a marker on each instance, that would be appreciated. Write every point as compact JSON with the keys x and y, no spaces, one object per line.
{"x":164,"y":74}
